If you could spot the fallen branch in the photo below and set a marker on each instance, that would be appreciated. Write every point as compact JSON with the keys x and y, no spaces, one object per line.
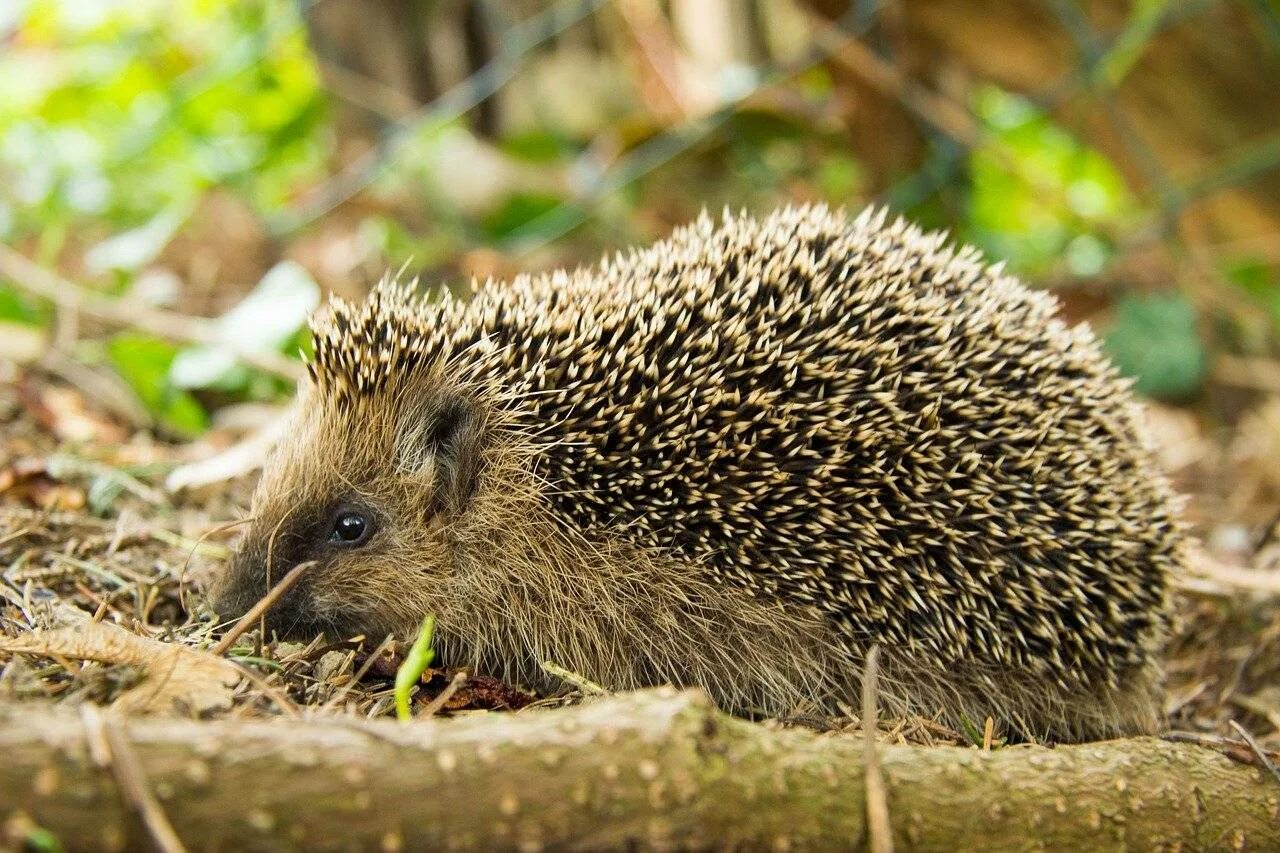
{"x":243,"y":457}
{"x":879,"y":825}
{"x":646,"y":769}
{"x":130,"y":313}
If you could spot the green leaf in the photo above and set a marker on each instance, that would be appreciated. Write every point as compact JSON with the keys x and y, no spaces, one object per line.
{"x":103,"y":491}
{"x":16,"y":308}
{"x":518,"y":212}
{"x":839,"y":178}
{"x":1035,"y":190}
{"x":138,"y":247}
{"x":971,"y":731}
{"x":1259,"y":280}
{"x":143,"y":362}
{"x":1154,"y":339}
{"x":537,"y":146}
{"x":264,"y":321}
{"x":403,"y":247}
{"x":41,"y":840}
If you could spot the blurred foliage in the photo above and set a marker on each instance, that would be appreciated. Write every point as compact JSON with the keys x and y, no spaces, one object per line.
{"x":1154,"y":339}
{"x":116,"y":112}
{"x":117,"y":119}
{"x":267,"y":320}
{"x":1038,"y":197}
{"x":1260,"y":284}
{"x":144,"y":361}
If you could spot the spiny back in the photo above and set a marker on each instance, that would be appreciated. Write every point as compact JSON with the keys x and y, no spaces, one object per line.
{"x":844,"y":414}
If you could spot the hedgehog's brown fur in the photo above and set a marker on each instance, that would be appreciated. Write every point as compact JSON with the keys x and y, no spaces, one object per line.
{"x":737,"y":459}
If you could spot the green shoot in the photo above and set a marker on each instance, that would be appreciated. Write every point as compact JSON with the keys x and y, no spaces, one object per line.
{"x":42,"y":840}
{"x":420,"y":657}
{"x":971,"y":731}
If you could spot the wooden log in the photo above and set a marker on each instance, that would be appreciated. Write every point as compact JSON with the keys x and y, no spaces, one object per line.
{"x":650,"y":769}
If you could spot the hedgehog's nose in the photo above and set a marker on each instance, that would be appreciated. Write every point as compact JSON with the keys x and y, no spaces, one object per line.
{"x":238,"y":588}
{"x":228,"y":598}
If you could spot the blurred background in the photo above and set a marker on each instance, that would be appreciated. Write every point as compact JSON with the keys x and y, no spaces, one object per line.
{"x":182,"y":180}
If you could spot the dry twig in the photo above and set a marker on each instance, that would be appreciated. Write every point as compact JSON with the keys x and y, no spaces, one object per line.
{"x":585,"y":685}
{"x":110,"y":750}
{"x":360,"y":673}
{"x":122,"y":311}
{"x":879,"y":829}
{"x":1257,"y":750}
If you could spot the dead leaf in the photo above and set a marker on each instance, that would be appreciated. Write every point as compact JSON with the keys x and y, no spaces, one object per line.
{"x":65,"y":412}
{"x":478,"y":692}
{"x":1209,"y":574}
{"x":489,"y":693}
{"x":177,"y":678}
{"x":30,"y":481}
{"x":71,"y":419}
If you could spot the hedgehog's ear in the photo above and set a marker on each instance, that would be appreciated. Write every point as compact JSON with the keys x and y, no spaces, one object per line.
{"x":445,"y":445}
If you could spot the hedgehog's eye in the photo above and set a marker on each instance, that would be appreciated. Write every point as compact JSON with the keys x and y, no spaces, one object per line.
{"x":350,"y":527}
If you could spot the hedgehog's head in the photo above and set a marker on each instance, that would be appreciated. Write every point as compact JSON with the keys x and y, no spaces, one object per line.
{"x":371,"y":482}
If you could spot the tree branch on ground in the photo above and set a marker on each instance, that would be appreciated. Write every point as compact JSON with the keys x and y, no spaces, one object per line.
{"x":130,"y":313}
{"x":655,"y":768}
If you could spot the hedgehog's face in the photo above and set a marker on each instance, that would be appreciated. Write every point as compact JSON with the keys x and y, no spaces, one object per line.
{"x":366,"y":497}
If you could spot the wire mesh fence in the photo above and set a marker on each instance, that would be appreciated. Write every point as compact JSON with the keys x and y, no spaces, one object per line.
{"x":1098,"y":146}
{"x":1102,"y":62}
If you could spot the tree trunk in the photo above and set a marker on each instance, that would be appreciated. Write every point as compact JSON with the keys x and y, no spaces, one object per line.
{"x":383,"y":59}
{"x":652,"y":769}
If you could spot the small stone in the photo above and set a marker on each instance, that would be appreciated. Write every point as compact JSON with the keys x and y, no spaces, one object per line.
{"x":332,"y":664}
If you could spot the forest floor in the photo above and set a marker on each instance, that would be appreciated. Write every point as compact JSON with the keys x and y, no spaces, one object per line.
{"x":90,"y":534}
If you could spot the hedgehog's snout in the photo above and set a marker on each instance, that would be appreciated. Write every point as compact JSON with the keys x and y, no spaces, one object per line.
{"x":229,"y":598}
{"x":244,"y":583}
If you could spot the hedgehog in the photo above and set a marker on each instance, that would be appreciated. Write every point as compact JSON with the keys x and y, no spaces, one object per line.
{"x":736,"y":460}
